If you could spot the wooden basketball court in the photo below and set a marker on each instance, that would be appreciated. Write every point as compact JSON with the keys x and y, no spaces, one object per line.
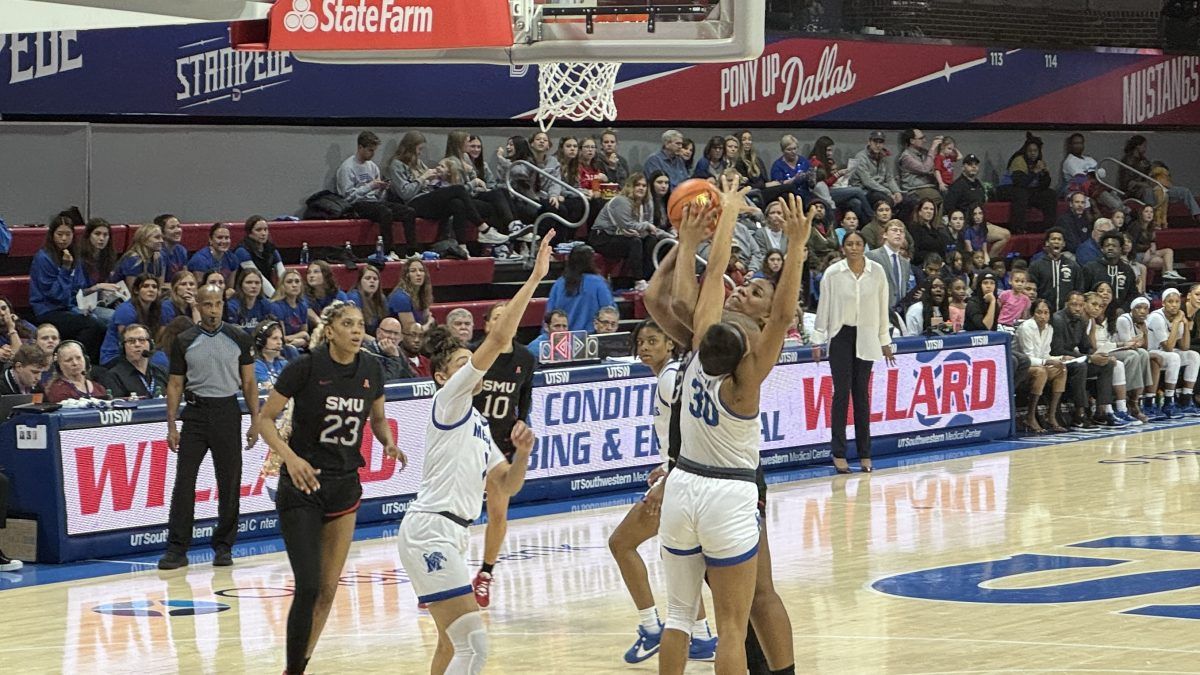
{"x":971,"y":564}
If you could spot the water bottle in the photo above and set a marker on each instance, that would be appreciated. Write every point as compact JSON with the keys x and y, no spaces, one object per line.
{"x":936,"y":319}
{"x":304,"y":253}
{"x":380,"y":251}
{"x":349,"y":251}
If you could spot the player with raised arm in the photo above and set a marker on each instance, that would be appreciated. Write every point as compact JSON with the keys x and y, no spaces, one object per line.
{"x":709,"y":516}
{"x":460,"y":455}
{"x":334,"y":389}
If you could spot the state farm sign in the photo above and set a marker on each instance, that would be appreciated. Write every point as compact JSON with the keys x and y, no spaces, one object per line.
{"x":334,"y":25}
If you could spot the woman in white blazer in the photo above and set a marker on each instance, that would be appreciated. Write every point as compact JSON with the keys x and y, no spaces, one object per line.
{"x":852,"y":317}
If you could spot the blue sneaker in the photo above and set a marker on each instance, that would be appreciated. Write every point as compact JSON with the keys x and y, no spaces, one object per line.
{"x":1189,"y":409}
{"x":1153,"y":412}
{"x":1169,"y":411}
{"x":1127,"y":418}
{"x":646,"y":645}
{"x":1111,"y":420}
{"x":702,"y":650}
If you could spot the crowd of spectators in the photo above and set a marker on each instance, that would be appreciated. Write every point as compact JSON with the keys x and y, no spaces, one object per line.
{"x":920,"y":209}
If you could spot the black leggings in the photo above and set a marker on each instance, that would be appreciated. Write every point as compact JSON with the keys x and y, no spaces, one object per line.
{"x":451,"y":206}
{"x":635,"y":251}
{"x":496,"y":208}
{"x":379,"y":213}
{"x":301,"y":529}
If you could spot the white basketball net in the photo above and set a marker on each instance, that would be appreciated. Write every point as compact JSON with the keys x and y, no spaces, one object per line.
{"x":576,"y":91}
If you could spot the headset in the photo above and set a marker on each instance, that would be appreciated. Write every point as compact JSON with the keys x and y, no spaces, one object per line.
{"x":87,"y":363}
{"x":263,"y":331}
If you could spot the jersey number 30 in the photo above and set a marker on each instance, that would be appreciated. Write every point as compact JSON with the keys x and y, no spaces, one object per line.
{"x":340,"y":430}
{"x":702,"y":406}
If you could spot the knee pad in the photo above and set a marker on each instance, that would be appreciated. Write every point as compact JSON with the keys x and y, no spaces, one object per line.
{"x":470,"y":641}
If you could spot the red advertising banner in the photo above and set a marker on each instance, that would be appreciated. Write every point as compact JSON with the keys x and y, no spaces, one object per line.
{"x":316,"y":25}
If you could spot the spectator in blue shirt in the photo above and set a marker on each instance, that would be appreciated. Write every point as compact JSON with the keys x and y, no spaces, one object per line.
{"x":258,"y":249}
{"x":668,"y":160}
{"x":215,"y":256}
{"x":556,"y":322}
{"x":248,"y":306}
{"x":291,"y":308}
{"x":145,"y":308}
{"x":55,"y":276}
{"x":144,"y":256}
{"x":320,"y":288}
{"x":182,"y":301}
{"x":791,"y":172}
{"x":368,"y":296}
{"x":413,"y":296}
{"x":270,"y":353}
{"x":580,"y":291}
{"x":174,"y":255}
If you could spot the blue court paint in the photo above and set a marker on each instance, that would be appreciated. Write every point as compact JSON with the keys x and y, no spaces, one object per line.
{"x":40,"y":574}
{"x":1167,"y":611}
{"x":1154,"y":542}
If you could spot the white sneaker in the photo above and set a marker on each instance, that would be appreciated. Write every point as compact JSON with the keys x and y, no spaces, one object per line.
{"x":492,"y":236}
{"x":520,"y":231}
{"x":392,"y":257}
{"x":1173,"y":275}
{"x":640,"y":286}
{"x":7,"y":565}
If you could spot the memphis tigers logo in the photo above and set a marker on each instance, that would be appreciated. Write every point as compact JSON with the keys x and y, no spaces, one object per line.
{"x":434,"y":561}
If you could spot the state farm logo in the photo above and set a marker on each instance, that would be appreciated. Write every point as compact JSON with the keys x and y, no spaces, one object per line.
{"x":358,"y":16}
{"x":301,"y":17}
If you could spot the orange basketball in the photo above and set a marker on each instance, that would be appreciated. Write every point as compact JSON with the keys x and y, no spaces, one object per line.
{"x":691,"y":191}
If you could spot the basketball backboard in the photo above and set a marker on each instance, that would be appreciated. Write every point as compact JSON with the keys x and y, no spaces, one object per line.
{"x":508,"y":32}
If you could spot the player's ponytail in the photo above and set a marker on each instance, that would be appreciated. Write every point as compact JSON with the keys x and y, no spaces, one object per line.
{"x":440,"y":345}
{"x":328,"y":316}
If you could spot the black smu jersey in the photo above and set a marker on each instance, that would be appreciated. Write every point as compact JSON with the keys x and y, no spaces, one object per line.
{"x":507,"y":394}
{"x":332,"y":404}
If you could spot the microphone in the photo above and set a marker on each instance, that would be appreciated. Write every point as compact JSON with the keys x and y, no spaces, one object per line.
{"x":147,"y":354}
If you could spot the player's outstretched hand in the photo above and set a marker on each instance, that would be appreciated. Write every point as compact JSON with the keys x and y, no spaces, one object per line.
{"x":733,"y":196}
{"x":697,"y":222}
{"x":398,"y":454}
{"x":303,"y":475}
{"x":796,"y":225}
{"x":541,"y":265}
{"x":522,"y":437}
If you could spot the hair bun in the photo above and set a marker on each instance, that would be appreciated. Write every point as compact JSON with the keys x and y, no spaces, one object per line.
{"x":439,"y":340}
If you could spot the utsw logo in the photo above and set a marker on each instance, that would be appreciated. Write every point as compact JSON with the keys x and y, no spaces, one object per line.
{"x":112,"y":477}
{"x":966,"y":583}
{"x":956,"y":387}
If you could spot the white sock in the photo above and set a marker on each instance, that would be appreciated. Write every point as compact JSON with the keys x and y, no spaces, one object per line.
{"x":649,"y":619}
{"x":1169,"y":394}
{"x":1121,"y":406}
{"x":700,"y":630}
{"x":1186,"y":391}
{"x":1106,"y":409}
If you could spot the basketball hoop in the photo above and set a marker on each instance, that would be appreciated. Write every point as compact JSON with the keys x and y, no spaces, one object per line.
{"x":576,"y":91}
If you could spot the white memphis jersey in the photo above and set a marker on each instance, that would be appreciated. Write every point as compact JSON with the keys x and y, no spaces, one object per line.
{"x":710,"y":433}
{"x":663,"y":400}
{"x":1159,"y":328}
{"x":459,"y":450}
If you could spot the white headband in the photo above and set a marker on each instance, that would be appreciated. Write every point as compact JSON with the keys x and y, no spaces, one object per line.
{"x":1169,"y":292}
{"x":1140,"y":300}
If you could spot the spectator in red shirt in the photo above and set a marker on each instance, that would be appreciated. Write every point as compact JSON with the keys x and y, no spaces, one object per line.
{"x":412,"y":344}
{"x":943,"y":163}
